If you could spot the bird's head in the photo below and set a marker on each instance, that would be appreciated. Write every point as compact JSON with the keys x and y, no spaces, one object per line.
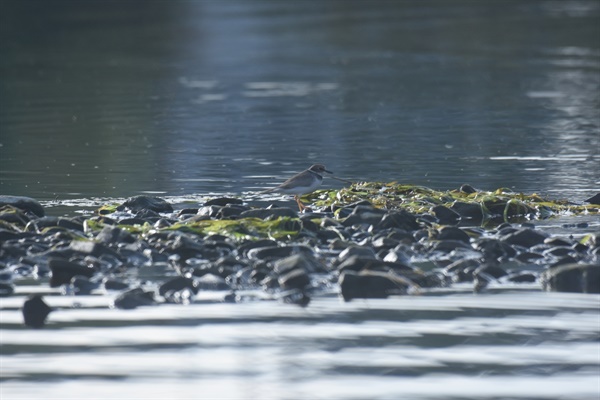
{"x":319,"y":169}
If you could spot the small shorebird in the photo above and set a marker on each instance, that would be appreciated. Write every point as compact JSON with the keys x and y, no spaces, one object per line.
{"x":305,"y":182}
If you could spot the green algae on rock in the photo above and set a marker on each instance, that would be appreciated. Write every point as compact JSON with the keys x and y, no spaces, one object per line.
{"x":501,"y":205}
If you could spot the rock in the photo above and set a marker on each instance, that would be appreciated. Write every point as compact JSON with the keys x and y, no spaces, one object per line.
{"x":399,"y":220}
{"x":86,"y":247}
{"x":139,"y":203}
{"x":276,"y":252}
{"x":177,"y":284}
{"x":113,"y":234}
{"x":520,"y":277}
{"x":595,"y":199}
{"x":574,"y":278}
{"x":372,"y":285}
{"x":23,"y":203}
{"x":494,"y":249}
{"x":360,"y":251}
{"x":35,"y":311}
{"x":6,"y":289}
{"x":134,"y":298}
{"x":223,"y":201}
{"x":453,"y":233}
{"x":269,"y":213}
{"x":445,"y":215}
{"x":294,"y":279}
{"x":468,"y":189}
{"x":367,"y":215}
{"x":300,"y":261}
{"x":469,"y":212}
{"x":212,"y":282}
{"x":81,"y":285}
{"x":63,"y":271}
{"x":231,"y":210}
{"x":295,"y":296}
{"x":525,"y":237}
{"x":38,"y":224}
{"x":111,"y":284}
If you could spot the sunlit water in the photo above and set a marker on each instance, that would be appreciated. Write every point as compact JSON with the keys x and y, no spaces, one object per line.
{"x":193,"y":99}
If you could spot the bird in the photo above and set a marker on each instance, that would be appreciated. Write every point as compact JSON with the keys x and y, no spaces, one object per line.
{"x":302,"y":183}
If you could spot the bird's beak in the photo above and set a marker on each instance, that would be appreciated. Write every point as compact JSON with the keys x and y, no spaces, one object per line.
{"x":329,"y":172}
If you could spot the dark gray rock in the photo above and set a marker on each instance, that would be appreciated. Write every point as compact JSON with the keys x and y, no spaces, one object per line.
{"x":178,"y":284}
{"x":223,"y":201}
{"x":6,"y":289}
{"x":452,"y":233}
{"x":63,"y":271}
{"x":401,"y":219}
{"x":372,"y":285}
{"x":360,"y":251}
{"x":300,"y":261}
{"x":468,"y":189}
{"x":134,"y":298}
{"x":575,"y":278}
{"x":23,"y":203}
{"x":212,"y":282}
{"x":364,"y":215}
{"x":35,"y":311}
{"x":525,"y":237}
{"x":469,"y":212}
{"x":595,"y":199}
{"x":269,"y":213}
{"x":139,"y":203}
{"x":445,"y":215}
{"x":294,"y":279}
{"x":275,"y":252}
{"x":113,"y":234}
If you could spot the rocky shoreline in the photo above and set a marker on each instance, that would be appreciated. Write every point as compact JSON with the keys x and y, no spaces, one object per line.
{"x":146,"y":252}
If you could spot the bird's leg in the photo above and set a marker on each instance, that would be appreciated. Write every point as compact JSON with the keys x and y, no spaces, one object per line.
{"x":301,"y":206}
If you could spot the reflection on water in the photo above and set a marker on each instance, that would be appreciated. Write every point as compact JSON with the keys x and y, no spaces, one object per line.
{"x":512,"y":344}
{"x":110,"y":99}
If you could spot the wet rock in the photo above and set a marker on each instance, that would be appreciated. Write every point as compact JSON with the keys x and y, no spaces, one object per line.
{"x":223,"y":201}
{"x":294,"y":279}
{"x":23,"y":203}
{"x":402,"y":220}
{"x":595,"y":199}
{"x":468,"y":189}
{"x":269,"y":213}
{"x":359,"y":251}
{"x":276,"y":252}
{"x":139,"y":203}
{"x":178,"y":284}
{"x":6,"y":289}
{"x":111,"y":284}
{"x":367,"y":215}
{"x":134,"y":298}
{"x":575,"y":278}
{"x":469,"y":212}
{"x":494,"y":249}
{"x":462,"y":270}
{"x":372,"y":285}
{"x":303,"y":262}
{"x":38,"y":224}
{"x":63,"y":271}
{"x":521,"y":277}
{"x":113,"y":234}
{"x":445,"y":215}
{"x":211,"y":211}
{"x":231,"y":210}
{"x":525,"y":237}
{"x":35,"y":311}
{"x":212,"y":282}
{"x":295,"y":296}
{"x":85,"y":248}
{"x":81,"y":285}
{"x":452,"y":233}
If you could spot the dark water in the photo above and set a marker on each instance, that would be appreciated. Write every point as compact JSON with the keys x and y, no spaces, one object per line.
{"x":185,"y":98}
{"x":115,"y":98}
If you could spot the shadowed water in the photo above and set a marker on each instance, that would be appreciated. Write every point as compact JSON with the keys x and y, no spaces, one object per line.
{"x":188,"y":99}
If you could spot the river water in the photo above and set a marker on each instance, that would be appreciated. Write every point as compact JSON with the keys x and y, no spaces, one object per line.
{"x":186,"y":99}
